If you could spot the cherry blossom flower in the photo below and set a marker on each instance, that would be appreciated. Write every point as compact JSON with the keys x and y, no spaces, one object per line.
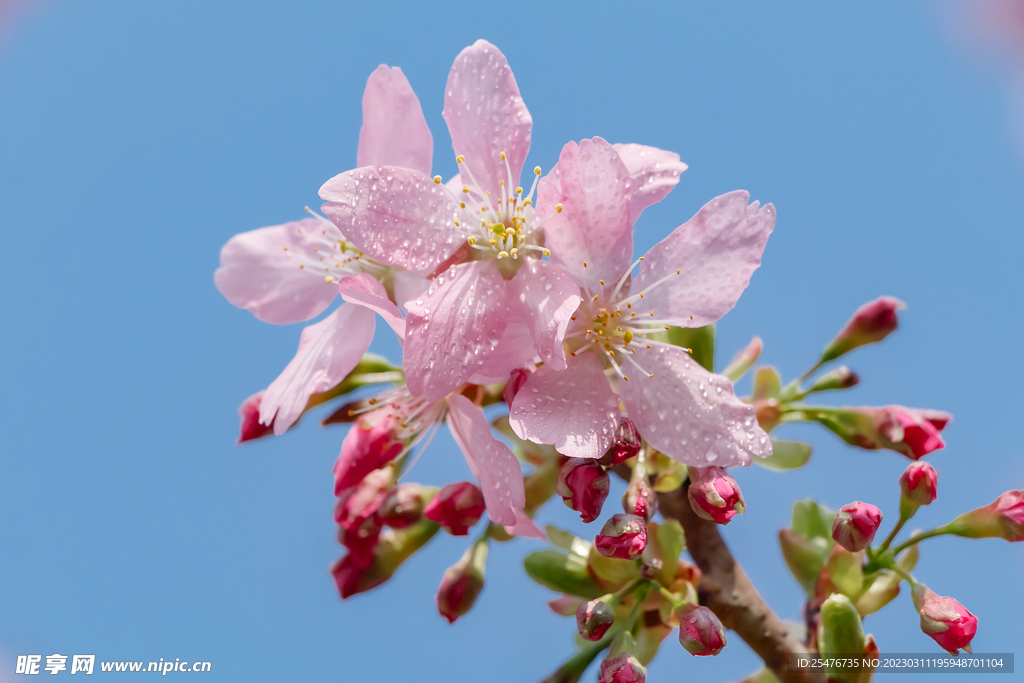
{"x":479,"y":234}
{"x":289,"y":273}
{"x":691,"y":278}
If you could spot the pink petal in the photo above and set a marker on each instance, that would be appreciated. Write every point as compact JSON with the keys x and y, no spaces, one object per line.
{"x":548,"y":297}
{"x":407,"y":284}
{"x":716,"y":252}
{"x":525,"y":527}
{"x":452,"y":328}
{"x":690,"y":414}
{"x":575,"y":409}
{"x":259,"y":271}
{"x":515,"y":350}
{"x":593,"y":228}
{"x":654,"y":171}
{"x":365,"y":291}
{"x":501,"y":478}
{"x":486,"y":115}
{"x":328,"y":351}
{"x":394,"y":131}
{"x":395,"y":215}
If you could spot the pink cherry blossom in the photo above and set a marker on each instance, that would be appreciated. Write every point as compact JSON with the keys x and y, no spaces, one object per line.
{"x":479,"y":234}
{"x":949,"y":623}
{"x":691,"y":278}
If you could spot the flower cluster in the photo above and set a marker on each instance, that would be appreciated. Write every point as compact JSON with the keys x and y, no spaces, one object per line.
{"x":526,"y":292}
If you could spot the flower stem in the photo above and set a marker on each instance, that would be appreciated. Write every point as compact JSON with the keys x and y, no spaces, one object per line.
{"x":895,"y":530}
{"x":920,"y":537}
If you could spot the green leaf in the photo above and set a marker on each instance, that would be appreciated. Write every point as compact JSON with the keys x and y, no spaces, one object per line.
{"x":767,"y":383}
{"x":786,"y":455}
{"x":700,"y":341}
{"x":844,"y":568}
{"x":804,"y":558}
{"x":668,"y":474}
{"x":812,"y":521}
{"x":562,"y":573}
{"x":672,"y":541}
{"x":567,"y":541}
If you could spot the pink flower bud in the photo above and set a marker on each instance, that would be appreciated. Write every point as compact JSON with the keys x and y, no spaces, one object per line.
{"x":743,"y":360}
{"x":918,"y":486}
{"x":840,"y":378}
{"x":639,"y":498}
{"x":250,"y":427}
{"x":626,"y":445}
{"x":872,"y":322}
{"x":456,"y":508}
{"x":714,"y":495}
{"x":623,"y":536}
{"x":910,"y":431}
{"x":515,"y":382}
{"x":367,"y":446}
{"x":356,"y":515}
{"x":949,"y":623}
{"x":700,"y":631}
{"x":462,"y":583}
{"x":1003,"y":518}
{"x":583,"y":485}
{"x":855,"y":525}
{"x":352,"y":577}
{"x":623,"y":668}
{"x":403,"y":506}
{"x":593,"y":619}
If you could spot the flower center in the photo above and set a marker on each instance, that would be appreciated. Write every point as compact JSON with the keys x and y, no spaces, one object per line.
{"x":334,"y":257}
{"x":502,"y":226}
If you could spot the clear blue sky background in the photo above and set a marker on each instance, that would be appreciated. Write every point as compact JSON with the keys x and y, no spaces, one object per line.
{"x":136,"y":138}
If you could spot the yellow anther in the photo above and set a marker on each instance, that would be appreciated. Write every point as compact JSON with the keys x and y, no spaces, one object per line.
{"x":528,"y":202}
{"x":595,"y":297}
{"x":519,"y":190}
{"x":465,"y":189}
{"x":629,"y":305}
{"x":493,"y":242}
{"x":501,"y":183}
{"x":602,"y":284}
{"x":459,"y":159}
{"x":648,"y":346}
{"x":502,"y":254}
{"x":514,"y":251}
{"x":631,"y":315}
{"x":547,"y":252}
{"x":667,"y":327}
{"x":584,"y":264}
{"x":328,"y":279}
{"x":437,"y":180}
{"x":677,"y":271}
{"x":502,"y":155}
{"x":302,"y":266}
{"x":642,"y":258}
{"x":628,"y":337}
{"x":286,"y":248}
{"x":462,"y":205}
{"x":623,"y":377}
{"x":457,"y":223}
{"x":558,"y":208}
{"x":472,"y":241}
{"x":536,"y":170}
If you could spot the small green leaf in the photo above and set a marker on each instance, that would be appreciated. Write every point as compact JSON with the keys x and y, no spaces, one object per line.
{"x":811,"y":521}
{"x":562,"y":573}
{"x":668,"y":474}
{"x":700,"y":341}
{"x":844,"y":568}
{"x":804,"y":558}
{"x":767,"y":383}
{"x":786,"y":455}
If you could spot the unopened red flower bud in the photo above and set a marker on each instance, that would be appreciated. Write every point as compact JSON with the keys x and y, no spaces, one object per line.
{"x":855,"y":525}
{"x":700,"y":632}
{"x":623,"y":536}
{"x":910,"y":431}
{"x":872,"y":322}
{"x":949,"y":623}
{"x":403,"y":505}
{"x":250,"y":427}
{"x":626,"y":445}
{"x":368,"y":446}
{"x":918,"y":486}
{"x":593,"y":619}
{"x":583,"y":485}
{"x":1003,"y":518}
{"x":462,"y":583}
{"x":639,"y":498}
{"x":352,"y":577}
{"x":840,"y":378}
{"x":356,"y":515}
{"x":622,"y":668}
{"x":456,"y":507}
{"x":714,"y":495}
{"x":515,"y":382}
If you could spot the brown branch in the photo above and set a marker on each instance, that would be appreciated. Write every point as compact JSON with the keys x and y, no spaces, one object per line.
{"x":727,"y":591}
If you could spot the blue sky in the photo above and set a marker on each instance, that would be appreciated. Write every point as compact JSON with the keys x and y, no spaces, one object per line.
{"x":136,"y":138}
